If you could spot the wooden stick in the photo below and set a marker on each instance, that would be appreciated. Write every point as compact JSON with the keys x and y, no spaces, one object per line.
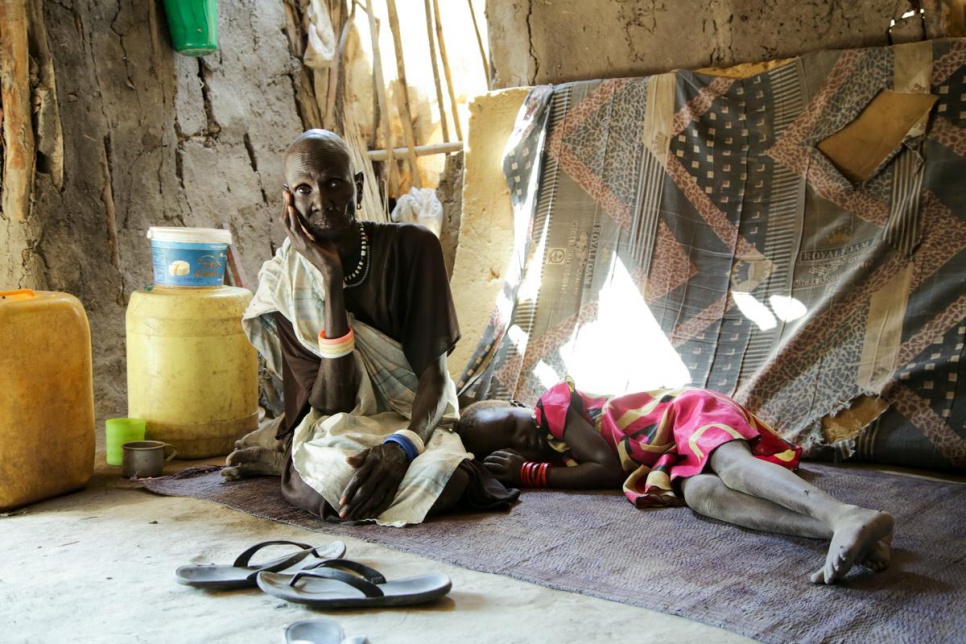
{"x":376,"y":112}
{"x":381,"y":94}
{"x":331,"y":112}
{"x":375,"y":200}
{"x":420,"y":150}
{"x":304,"y":85}
{"x":338,"y":106}
{"x":374,"y":204}
{"x":49,"y":130}
{"x":405,"y":112}
{"x":432,"y":55}
{"x":293,"y":29}
{"x":449,"y":76}
{"x":479,"y":41}
{"x":236,"y":272}
{"x":18,"y":133}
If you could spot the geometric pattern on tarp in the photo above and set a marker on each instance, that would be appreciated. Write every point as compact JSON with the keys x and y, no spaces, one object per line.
{"x":718,"y":156}
{"x":923,"y":408}
{"x":872,"y":272}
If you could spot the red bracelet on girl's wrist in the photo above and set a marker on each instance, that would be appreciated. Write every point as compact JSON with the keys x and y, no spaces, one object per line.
{"x":533,"y":474}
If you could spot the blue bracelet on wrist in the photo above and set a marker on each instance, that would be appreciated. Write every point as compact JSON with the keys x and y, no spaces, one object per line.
{"x":405,"y":443}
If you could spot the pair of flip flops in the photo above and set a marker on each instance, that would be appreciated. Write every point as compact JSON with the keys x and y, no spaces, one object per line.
{"x":318,"y":577}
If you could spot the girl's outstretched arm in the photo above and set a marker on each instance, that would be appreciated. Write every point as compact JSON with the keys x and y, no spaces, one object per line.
{"x":598,"y":466}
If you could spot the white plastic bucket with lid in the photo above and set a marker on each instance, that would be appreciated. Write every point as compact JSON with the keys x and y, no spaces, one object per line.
{"x":189,"y":257}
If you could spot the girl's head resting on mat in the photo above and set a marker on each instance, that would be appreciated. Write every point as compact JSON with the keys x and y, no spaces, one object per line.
{"x":491,"y":425}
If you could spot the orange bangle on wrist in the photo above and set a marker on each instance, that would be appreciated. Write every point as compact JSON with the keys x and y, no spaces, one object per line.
{"x":324,"y":340}
{"x":332,"y":348}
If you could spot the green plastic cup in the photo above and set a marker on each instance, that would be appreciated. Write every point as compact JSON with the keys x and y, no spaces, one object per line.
{"x":118,"y":431}
{"x":193,"y":25}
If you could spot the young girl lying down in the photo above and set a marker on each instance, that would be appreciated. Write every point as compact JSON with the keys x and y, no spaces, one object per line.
{"x":727,"y":464}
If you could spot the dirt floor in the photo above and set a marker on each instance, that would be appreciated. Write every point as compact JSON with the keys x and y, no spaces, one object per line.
{"x":98,"y":566}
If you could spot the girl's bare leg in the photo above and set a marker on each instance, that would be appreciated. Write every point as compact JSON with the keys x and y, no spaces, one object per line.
{"x":856,"y":532}
{"x":708,"y":495}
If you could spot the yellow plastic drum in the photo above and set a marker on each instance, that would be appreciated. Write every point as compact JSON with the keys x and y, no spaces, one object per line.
{"x":46,"y":396}
{"x":191,"y":372}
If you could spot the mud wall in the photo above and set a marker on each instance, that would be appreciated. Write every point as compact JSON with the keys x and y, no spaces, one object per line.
{"x":535,"y":42}
{"x":130,"y":135}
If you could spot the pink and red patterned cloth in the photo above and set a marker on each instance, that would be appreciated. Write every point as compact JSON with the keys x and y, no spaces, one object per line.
{"x":662,"y":435}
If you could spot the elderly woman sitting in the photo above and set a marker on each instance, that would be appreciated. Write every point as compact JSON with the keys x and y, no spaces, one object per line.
{"x":357,"y":319}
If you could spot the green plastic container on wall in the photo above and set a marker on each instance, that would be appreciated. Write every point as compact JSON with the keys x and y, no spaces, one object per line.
{"x":193,"y":25}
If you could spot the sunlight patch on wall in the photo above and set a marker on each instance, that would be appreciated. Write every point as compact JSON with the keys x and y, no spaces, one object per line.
{"x":754,"y":310}
{"x":547,"y":375}
{"x":787,"y":308}
{"x":518,"y":337}
{"x":783,"y":307}
{"x":624,"y":349}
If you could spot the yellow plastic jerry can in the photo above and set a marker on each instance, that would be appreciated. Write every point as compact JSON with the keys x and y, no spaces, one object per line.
{"x":46,"y":397}
{"x":191,"y":372}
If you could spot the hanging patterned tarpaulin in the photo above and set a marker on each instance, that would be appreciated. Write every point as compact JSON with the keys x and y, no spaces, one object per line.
{"x":794,"y":238}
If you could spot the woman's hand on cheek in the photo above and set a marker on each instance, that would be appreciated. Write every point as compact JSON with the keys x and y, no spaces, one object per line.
{"x":320,"y":253}
{"x":505,"y":465}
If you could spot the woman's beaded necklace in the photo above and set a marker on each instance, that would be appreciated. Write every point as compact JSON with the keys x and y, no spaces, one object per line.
{"x":358,"y":275}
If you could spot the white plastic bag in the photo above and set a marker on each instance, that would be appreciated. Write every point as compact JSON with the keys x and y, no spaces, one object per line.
{"x":420,"y":206}
{"x":320,"y":50}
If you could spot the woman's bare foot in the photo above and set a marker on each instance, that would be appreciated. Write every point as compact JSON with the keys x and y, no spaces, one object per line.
{"x":253,"y":461}
{"x":856,"y":538}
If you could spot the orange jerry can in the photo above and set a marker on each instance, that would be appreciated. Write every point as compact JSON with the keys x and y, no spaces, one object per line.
{"x":46,"y":397}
